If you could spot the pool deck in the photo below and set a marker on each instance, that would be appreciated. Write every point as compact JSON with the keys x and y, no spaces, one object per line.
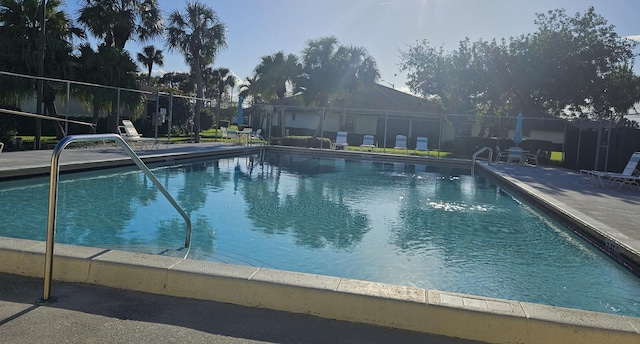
{"x":92,"y":314}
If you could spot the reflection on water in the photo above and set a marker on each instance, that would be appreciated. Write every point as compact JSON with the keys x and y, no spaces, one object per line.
{"x":420,"y":225}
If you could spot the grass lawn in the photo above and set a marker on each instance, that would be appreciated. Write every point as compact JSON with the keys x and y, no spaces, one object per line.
{"x":211,"y":135}
{"x":431,"y":153}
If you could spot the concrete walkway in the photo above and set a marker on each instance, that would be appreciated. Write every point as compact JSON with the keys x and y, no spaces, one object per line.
{"x":94,"y":314}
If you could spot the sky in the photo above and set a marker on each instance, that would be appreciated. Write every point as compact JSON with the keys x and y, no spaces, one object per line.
{"x":256,"y":28}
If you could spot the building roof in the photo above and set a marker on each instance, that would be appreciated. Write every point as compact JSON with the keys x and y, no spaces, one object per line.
{"x":377,"y":97}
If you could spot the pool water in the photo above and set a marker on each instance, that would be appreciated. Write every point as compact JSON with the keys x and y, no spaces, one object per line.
{"x":427,"y":226}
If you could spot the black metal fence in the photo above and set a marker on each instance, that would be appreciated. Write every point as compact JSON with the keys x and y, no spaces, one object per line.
{"x":578,"y":144}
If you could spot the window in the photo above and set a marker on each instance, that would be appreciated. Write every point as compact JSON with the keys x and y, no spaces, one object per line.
{"x":348,"y":123}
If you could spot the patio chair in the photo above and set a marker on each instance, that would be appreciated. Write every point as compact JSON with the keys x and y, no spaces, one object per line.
{"x":1,"y":146}
{"x":501,"y":154}
{"x":129,"y":133}
{"x":515,"y":154}
{"x":630,"y":175}
{"x":422,"y":144}
{"x":230,"y":134}
{"x":368,"y":142}
{"x":245,"y":135}
{"x":528,"y":158}
{"x":401,"y":142}
{"x":341,"y":141}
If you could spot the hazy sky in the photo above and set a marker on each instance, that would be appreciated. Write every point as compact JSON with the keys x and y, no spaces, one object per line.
{"x":262,"y":27}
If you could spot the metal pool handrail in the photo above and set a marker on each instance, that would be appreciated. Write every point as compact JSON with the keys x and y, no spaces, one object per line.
{"x":53,"y":197}
{"x":481,"y":150}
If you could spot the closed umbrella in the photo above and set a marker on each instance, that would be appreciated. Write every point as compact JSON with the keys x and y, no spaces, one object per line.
{"x":517,"y":137}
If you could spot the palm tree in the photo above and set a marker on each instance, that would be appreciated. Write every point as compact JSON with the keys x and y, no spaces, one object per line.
{"x":331,"y":70}
{"x":218,"y":81}
{"x":150,"y":56}
{"x":275,"y":75}
{"x":20,"y":23}
{"x":112,"y":67}
{"x":116,"y":21}
{"x":198,"y":34}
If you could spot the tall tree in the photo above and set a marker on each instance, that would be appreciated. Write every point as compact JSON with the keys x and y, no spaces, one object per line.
{"x":575,"y":57}
{"x":117,"y":21}
{"x":198,"y":34}
{"x":572,"y":63}
{"x":20,"y":25}
{"x":108,"y":66}
{"x":331,"y":70}
{"x":275,"y":75}
{"x":149,"y":57}
{"x":218,"y":81}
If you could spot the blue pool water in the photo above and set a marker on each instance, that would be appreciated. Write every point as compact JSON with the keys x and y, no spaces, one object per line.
{"x":425,"y":226}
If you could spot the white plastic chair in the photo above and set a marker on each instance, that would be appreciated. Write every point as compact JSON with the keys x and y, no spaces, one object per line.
{"x":341,"y":140}
{"x":607,"y":179}
{"x":500,"y":154}
{"x":367,"y":142}
{"x":401,"y":142}
{"x":129,"y":133}
{"x":532,"y":157}
{"x":515,"y":154}
{"x":422,"y":144}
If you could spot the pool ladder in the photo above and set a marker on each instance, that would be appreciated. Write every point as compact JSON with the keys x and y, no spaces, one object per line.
{"x":475,"y":155}
{"x":53,"y":198}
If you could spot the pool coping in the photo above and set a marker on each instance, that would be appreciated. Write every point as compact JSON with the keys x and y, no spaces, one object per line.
{"x":430,"y":311}
{"x":408,"y":308}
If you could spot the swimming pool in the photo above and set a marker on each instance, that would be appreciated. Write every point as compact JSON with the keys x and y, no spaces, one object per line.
{"x":418,"y":225}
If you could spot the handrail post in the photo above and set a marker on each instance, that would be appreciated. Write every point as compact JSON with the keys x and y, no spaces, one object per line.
{"x":53,"y":199}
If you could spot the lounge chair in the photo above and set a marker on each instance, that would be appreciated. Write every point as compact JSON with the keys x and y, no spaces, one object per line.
{"x":257,"y":135}
{"x":630,"y":175}
{"x":341,"y":140}
{"x":401,"y":142}
{"x":129,"y":133}
{"x":422,"y":144}
{"x":368,"y":142}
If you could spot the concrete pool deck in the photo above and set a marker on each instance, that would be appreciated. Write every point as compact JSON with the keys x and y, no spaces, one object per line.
{"x":612,"y":212}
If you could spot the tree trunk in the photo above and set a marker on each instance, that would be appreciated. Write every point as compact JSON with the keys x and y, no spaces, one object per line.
{"x":96,"y":114}
{"x":199,"y":95}
{"x":113,"y":117}
{"x":281,"y":123}
{"x":318,"y":131}
{"x":49,"y":98}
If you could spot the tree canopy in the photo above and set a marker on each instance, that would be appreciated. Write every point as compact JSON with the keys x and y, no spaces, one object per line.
{"x":331,"y":70}
{"x":570,"y":65}
{"x":198,"y":34}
